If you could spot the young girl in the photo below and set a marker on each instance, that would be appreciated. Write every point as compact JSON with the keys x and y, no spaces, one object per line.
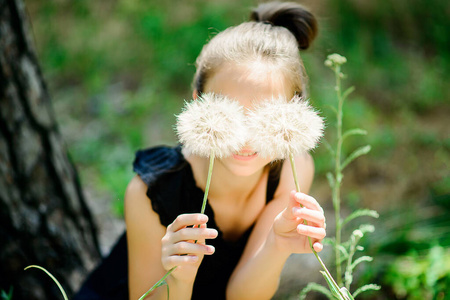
{"x":254,"y":219}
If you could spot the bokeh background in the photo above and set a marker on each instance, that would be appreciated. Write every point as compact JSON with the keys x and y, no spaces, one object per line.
{"x":119,"y":70}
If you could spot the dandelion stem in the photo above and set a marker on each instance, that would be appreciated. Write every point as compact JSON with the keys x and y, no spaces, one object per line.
{"x":297,"y":187}
{"x":205,"y":199}
{"x":208,"y":180}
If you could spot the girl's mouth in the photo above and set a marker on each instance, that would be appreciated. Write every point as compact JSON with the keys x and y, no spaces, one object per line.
{"x":245,"y":155}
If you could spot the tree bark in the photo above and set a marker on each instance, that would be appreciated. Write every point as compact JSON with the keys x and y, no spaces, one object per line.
{"x":44,"y":219}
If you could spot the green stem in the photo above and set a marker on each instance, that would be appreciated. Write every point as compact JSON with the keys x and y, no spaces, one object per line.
{"x":158,"y":283}
{"x":349,"y":263}
{"x":208,"y":180}
{"x":205,"y":199}
{"x":338,"y":175}
{"x":52,"y":277}
{"x":297,"y":187}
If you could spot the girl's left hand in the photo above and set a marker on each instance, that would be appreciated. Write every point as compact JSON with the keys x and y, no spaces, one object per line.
{"x":290,"y":232}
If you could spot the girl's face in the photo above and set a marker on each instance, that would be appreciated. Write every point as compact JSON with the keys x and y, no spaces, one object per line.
{"x":248,"y":84}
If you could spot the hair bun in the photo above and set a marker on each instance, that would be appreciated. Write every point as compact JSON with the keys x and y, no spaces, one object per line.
{"x":297,"y":19}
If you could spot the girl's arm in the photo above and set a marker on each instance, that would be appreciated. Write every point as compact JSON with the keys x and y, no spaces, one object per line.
{"x":154,"y":249}
{"x":276,"y":236}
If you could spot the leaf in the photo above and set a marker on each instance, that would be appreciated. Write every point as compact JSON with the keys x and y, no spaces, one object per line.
{"x":367,"y":287}
{"x":167,"y":289}
{"x":8,"y":296}
{"x":365,"y":228}
{"x":355,"y":131}
{"x":360,"y":213}
{"x":328,"y":241}
{"x":355,"y":154}
{"x":348,"y":92}
{"x":330,"y":178}
{"x":328,"y":146}
{"x":160,"y":282}
{"x":346,"y":293}
{"x":52,"y":277}
{"x":333,"y":290}
{"x":333,"y":109}
{"x":343,"y":250}
{"x":360,"y":260}
{"x":312,"y":286}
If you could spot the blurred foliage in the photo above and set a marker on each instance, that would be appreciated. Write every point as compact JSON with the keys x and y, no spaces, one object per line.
{"x":416,"y":276}
{"x":118,"y":71}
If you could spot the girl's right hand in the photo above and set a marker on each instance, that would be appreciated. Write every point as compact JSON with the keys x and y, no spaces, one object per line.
{"x":183,"y":246}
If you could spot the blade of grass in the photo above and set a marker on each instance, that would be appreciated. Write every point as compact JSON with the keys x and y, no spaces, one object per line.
{"x":52,"y":277}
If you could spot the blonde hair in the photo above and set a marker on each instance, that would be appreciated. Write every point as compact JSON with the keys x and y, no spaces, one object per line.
{"x":275,"y":34}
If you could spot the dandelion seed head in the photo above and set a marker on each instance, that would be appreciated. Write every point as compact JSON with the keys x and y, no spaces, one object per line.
{"x":279,"y":127}
{"x":212,"y":122}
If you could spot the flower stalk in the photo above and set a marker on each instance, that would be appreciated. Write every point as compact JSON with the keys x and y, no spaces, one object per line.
{"x":326,"y":273}
{"x":211,"y":126}
{"x":208,"y":180}
{"x":345,"y":251}
{"x":162,"y":281}
{"x":338,"y":173}
{"x":281,"y":129}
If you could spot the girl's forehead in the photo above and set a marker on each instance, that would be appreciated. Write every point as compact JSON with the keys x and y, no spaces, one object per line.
{"x":249,"y":83}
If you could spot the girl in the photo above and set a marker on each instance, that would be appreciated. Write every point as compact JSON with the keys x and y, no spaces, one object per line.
{"x":253,"y":220}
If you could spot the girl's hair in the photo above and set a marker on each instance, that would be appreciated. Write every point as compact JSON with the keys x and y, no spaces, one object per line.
{"x":275,"y":34}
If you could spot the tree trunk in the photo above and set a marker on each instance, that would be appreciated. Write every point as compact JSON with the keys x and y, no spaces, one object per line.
{"x":44,"y":219}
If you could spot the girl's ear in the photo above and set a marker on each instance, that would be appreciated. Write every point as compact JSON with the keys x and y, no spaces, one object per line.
{"x":194,"y":94}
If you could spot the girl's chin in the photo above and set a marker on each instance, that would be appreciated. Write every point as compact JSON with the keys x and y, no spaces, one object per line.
{"x":244,"y":167}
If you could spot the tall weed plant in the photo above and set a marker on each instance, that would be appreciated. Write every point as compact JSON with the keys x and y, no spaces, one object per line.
{"x":346,"y":252}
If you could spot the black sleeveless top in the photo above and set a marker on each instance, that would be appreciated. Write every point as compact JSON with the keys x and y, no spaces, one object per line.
{"x":173,"y":191}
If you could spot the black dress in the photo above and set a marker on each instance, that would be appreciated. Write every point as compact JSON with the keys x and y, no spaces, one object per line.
{"x":173,"y":191}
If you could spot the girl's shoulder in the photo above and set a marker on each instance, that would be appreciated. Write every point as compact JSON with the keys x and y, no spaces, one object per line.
{"x":154,"y":162}
{"x":166,"y":180}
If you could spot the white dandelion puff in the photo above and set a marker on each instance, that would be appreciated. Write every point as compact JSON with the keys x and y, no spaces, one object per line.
{"x":280,"y":128}
{"x":212,"y":123}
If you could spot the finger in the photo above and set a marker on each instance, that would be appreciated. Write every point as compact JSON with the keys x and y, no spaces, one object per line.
{"x":309,"y":215}
{"x":177,"y":260}
{"x":318,"y":246}
{"x":194,"y":233}
{"x":313,"y":232}
{"x":308,"y":201}
{"x":287,"y":213}
{"x":188,"y":248}
{"x":187,"y":220}
{"x":201,"y":241}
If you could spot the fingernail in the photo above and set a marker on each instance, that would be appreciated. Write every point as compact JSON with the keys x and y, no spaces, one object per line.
{"x":211,"y":249}
{"x":296,"y":210}
{"x":203,"y":218}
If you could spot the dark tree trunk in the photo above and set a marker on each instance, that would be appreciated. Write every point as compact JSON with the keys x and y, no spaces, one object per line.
{"x":44,"y":219}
